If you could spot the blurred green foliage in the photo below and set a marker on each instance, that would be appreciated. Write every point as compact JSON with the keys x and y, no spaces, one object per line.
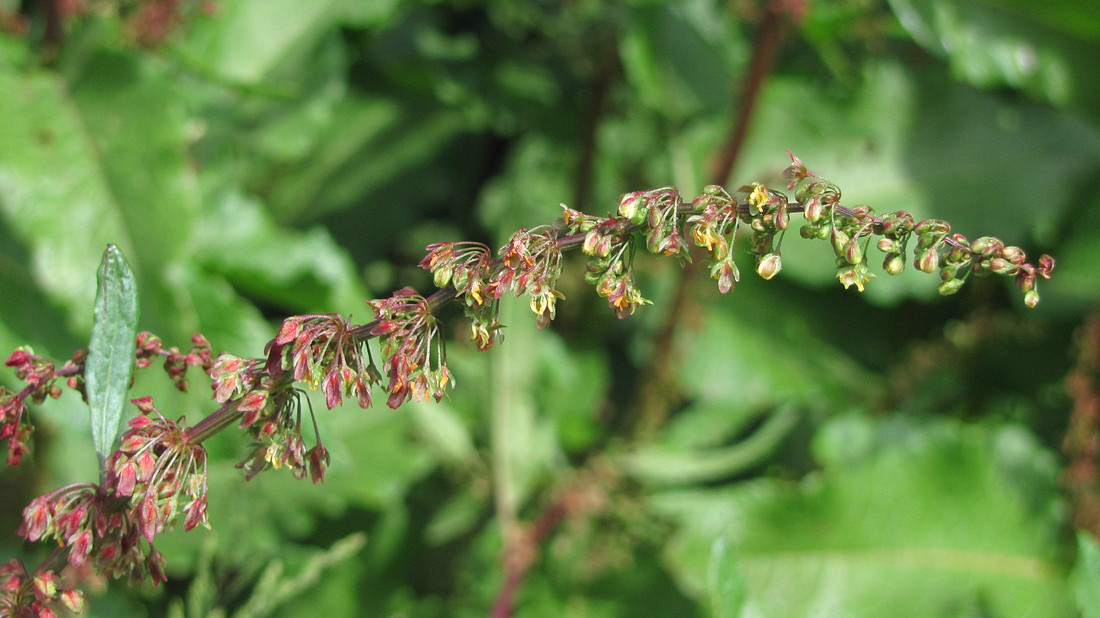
{"x":828,"y":454}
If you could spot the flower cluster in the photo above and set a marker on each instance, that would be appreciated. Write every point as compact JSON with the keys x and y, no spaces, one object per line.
{"x":97,"y":528}
{"x":176,"y":362}
{"x":32,"y":595}
{"x":41,"y":376}
{"x":466,"y":267}
{"x":530,"y":264}
{"x":161,"y":469}
{"x":270,"y":408}
{"x":715,"y":228}
{"x":610,"y":244}
{"x":408,"y":332}
{"x":767,"y":215}
{"x":850,"y":230}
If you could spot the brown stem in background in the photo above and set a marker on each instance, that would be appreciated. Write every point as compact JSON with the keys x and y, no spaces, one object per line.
{"x":593,"y":110}
{"x":585,"y":494}
{"x":656,"y":392}
{"x":1082,"y":442}
{"x":52,"y":36}
{"x":521,"y":549}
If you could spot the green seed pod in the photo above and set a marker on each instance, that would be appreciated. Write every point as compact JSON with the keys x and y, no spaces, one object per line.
{"x":442,"y":276}
{"x":769,"y":266}
{"x":1031,"y":298}
{"x":813,"y":210}
{"x":590,"y":241}
{"x":928,"y":261}
{"x":840,"y":242}
{"x":887,"y":245}
{"x":893,"y":264}
{"x":460,"y":278}
{"x":948,"y":272}
{"x":950,"y":286}
{"x":853,"y":253}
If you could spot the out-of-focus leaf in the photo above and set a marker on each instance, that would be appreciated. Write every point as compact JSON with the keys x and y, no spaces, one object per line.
{"x":763,"y":351}
{"x":304,"y":271}
{"x":368,"y":143}
{"x":457,"y":516}
{"x":54,"y":192}
{"x":276,"y":588}
{"x":441,"y":427}
{"x":110,"y":360}
{"x":661,"y":464}
{"x":681,"y":57}
{"x":249,"y":39}
{"x":1086,"y":575}
{"x":524,"y":441}
{"x":571,"y":386}
{"x":726,"y":586}
{"x":132,"y":109}
{"x":936,"y":519}
{"x":536,"y":179}
{"x":1010,"y":43}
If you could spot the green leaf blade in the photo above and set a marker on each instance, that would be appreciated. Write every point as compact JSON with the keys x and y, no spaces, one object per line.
{"x":110,"y":360}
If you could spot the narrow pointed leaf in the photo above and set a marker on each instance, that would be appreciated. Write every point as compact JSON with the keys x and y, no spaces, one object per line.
{"x":111,"y":350}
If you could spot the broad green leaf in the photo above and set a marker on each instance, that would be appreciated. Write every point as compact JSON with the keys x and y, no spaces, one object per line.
{"x":53,"y":192}
{"x":935,"y":519}
{"x":662,"y":464}
{"x":1010,"y":43}
{"x":110,"y":360}
{"x":724,"y":583}
{"x":681,"y":57}
{"x":249,"y":40}
{"x":300,"y":270}
{"x":1086,"y":575}
{"x":369,"y":142}
{"x":759,"y":348}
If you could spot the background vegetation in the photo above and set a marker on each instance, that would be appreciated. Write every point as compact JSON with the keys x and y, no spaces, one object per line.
{"x":790,"y":449}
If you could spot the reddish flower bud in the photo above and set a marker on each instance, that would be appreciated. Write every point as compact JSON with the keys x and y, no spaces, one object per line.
{"x":248,"y":418}
{"x":1046,"y":265}
{"x":144,"y":405}
{"x":36,"y":519}
{"x":18,"y":358}
{"x":74,"y":600}
{"x":384,"y":327}
{"x":318,"y":462}
{"x":45,"y":584}
{"x":332,"y":386}
{"x":251,"y":402}
{"x":81,"y":547}
{"x":146,"y":463}
{"x":196,"y":514}
{"x":127,"y":479}
{"x":288,"y":332}
{"x":149,"y":516}
{"x":362,"y":393}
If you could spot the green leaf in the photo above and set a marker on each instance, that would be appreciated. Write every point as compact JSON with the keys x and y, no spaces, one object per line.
{"x":110,"y":360}
{"x":1086,"y":575}
{"x":933,"y":519}
{"x":724,"y":582}
{"x":1010,"y":43}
